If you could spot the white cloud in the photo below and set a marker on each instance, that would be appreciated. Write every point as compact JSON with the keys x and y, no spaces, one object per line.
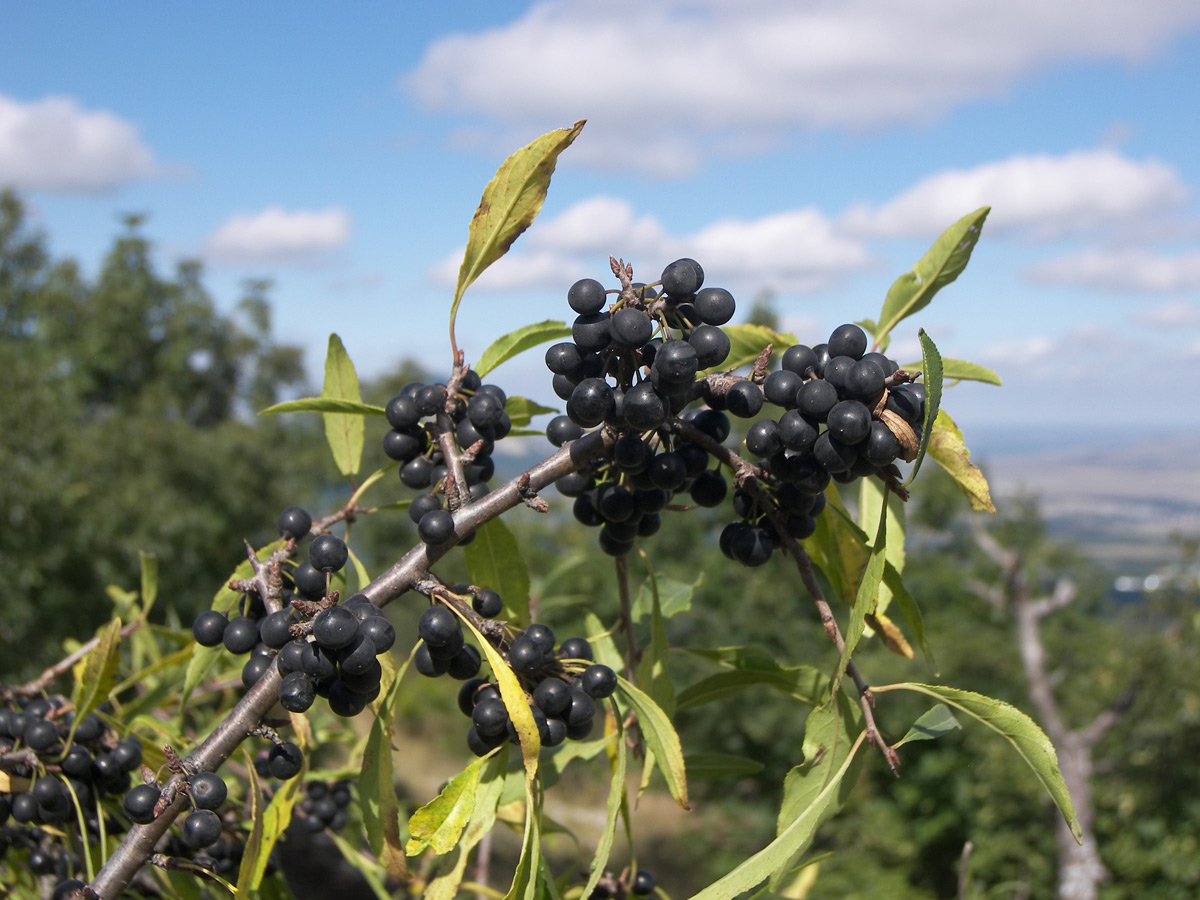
{"x":276,"y":235}
{"x":796,"y":250}
{"x":1131,"y":270}
{"x":54,"y":145}
{"x":667,"y":82}
{"x":1048,"y":195}
{"x":1172,"y":314}
{"x":1069,"y":356}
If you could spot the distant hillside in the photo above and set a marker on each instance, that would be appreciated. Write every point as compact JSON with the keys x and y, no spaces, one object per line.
{"x":1120,"y":495}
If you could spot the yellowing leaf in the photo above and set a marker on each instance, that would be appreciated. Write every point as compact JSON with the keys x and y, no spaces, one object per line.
{"x":947,"y":448}
{"x":891,"y":635}
{"x":440,"y":822}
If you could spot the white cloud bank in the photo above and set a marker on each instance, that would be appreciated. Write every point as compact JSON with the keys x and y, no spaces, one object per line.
{"x":1049,"y":196}
{"x":696,"y":77}
{"x":798,"y":250}
{"x":55,"y":145}
{"x":1126,"y":270}
{"x":278,"y":236}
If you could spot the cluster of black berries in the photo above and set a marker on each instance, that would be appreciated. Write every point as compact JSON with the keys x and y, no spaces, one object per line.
{"x":476,"y":416}
{"x":94,"y":764}
{"x":322,"y":649}
{"x":326,"y":804}
{"x":847,"y":413}
{"x":563,"y":688}
{"x":55,"y":778}
{"x":444,"y":650}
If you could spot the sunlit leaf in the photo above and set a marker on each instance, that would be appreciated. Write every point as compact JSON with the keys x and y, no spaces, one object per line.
{"x":440,"y":822}
{"x":746,"y":342}
{"x":324,"y":405}
{"x":510,"y":202}
{"x":616,"y":800}
{"x":1015,"y":727}
{"x":344,"y":431}
{"x":960,"y":370}
{"x":149,"y":581}
{"x":376,"y":782}
{"x":506,"y":347}
{"x":948,"y":450}
{"x":661,"y":739}
{"x":96,"y":673}
{"x":864,"y":602}
{"x":250,"y":871}
{"x":943,"y":263}
{"x":522,"y":409}
{"x":932,"y":370}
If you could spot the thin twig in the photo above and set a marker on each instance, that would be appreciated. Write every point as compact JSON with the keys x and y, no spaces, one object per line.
{"x":631,"y":650}
{"x":64,"y":665}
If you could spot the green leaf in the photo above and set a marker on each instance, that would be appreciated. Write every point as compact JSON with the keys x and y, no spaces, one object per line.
{"x":494,"y":561}
{"x":522,"y":409}
{"x":603,"y":646}
{"x":324,"y":405}
{"x":960,"y":370}
{"x":487,"y":797}
{"x":933,"y":397}
{"x":652,"y":670}
{"x":440,"y":822}
{"x":510,"y":202}
{"x":527,"y":875}
{"x":616,"y":801}
{"x":674,"y":597}
{"x":870,"y":499}
{"x":805,"y":683}
{"x":376,"y":783}
{"x":945,"y":260}
{"x":791,"y":841}
{"x":514,"y":699}
{"x":865,"y":600}
{"x":149,"y":581}
{"x":931,"y":726}
{"x":661,"y":739}
{"x":96,"y":673}
{"x":720,"y":765}
{"x":344,"y":431}
{"x":202,"y":662}
{"x":506,"y":347}
{"x":838,"y":547}
{"x":746,"y":342}
{"x":1015,"y":727}
{"x":827,"y":745}
{"x":948,"y":450}
{"x":360,"y":571}
{"x":276,"y":819}
{"x":250,"y":872}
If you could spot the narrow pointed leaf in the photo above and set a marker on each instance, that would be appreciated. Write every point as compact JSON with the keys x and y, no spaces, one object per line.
{"x":616,"y":801}
{"x":250,"y":872}
{"x":891,"y":635}
{"x":933,"y":397}
{"x":720,"y":765}
{"x":149,"y":581}
{"x":515,"y":702}
{"x":344,"y":431}
{"x":791,"y":840}
{"x":805,"y":683}
{"x":440,"y":822}
{"x":487,"y":797}
{"x":961,"y":370}
{"x":506,"y":347}
{"x":494,"y":561}
{"x":376,"y":783}
{"x":948,"y":450}
{"x":522,"y":409}
{"x":911,"y":612}
{"x":746,"y":342}
{"x":652,"y":669}
{"x":96,"y":673}
{"x":931,"y":726}
{"x":661,"y":739}
{"x":324,"y":405}
{"x":865,"y":601}
{"x":943,"y":263}
{"x":1015,"y":727}
{"x":510,"y":202}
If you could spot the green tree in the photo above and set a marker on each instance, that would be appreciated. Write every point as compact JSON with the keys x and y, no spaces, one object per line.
{"x":126,"y":425}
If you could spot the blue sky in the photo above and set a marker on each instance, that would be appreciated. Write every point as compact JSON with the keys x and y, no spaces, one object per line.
{"x":811,"y":149}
